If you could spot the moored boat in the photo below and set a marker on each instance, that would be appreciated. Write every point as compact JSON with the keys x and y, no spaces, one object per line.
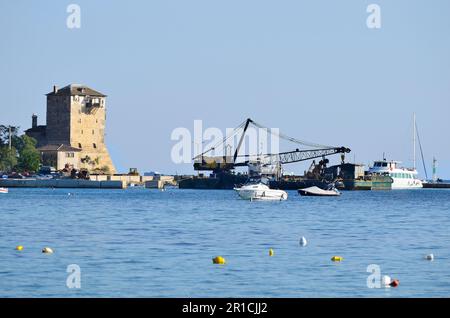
{"x":260,"y":191}
{"x":403,"y":178}
{"x":316,"y":191}
{"x":4,"y":190}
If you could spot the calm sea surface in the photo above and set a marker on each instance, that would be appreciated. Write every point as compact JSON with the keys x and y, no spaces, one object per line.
{"x":146,"y":243}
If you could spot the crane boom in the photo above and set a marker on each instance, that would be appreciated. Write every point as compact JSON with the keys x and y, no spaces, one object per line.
{"x":242,"y":139}
{"x":302,"y":155}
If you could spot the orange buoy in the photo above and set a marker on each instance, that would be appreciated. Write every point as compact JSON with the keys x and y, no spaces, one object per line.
{"x":394,"y":283}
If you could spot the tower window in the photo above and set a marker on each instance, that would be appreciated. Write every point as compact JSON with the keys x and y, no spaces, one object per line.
{"x":92,"y":131}
{"x":79,"y":145}
{"x":95,"y":146}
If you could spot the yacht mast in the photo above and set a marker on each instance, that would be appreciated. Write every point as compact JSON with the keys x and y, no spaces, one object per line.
{"x":414,"y":140}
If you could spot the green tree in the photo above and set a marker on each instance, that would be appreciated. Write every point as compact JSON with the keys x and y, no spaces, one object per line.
{"x":22,"y":156}
{"x":29,"y":158}
{"x":4,"y":134}
{"x":8,"y":158}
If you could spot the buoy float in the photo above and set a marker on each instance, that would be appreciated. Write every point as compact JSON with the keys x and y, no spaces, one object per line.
{"x":47,"y":250}
{"x":386,"y":281}
{"x":337,"y":258}
{"x":429,"y":257}
{"x":303,"y":241}
{"x":394,"y":283}
{"x":219,"y":260}
{"x":271,"y":252}
{"x":19,"y":247}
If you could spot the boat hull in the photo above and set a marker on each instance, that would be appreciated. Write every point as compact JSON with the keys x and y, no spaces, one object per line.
{"x":315,"y":191}
{"x":263,"y":195}
{"x":406,"y":184}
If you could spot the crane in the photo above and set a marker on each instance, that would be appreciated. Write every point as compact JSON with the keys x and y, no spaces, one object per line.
{"x":226,"y":162}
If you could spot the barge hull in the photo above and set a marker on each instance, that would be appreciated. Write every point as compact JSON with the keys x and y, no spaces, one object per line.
{"x":61,"y":183}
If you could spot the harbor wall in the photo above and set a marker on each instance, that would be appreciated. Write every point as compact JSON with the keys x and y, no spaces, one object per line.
{"x":160,"y":182}
{"x":61,"y":183}
{"x":154,"y":184}
{"x":136,"y":179}
{"x":125,"y":178}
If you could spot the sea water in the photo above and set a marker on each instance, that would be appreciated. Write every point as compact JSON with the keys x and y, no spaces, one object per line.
{"x":147,"y":243}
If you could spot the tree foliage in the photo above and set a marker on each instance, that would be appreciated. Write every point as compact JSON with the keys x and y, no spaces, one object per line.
{"x":29,"y":158}
{"x":22,"y":155}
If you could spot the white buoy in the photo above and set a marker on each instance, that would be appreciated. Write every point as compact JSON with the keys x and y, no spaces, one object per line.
{"x":47,"y":250}
{"x":429,"y":257}
{"x":386,"y":281}
{"x":303,"y":241}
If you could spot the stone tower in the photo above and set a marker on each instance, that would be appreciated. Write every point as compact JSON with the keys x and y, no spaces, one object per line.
{"x":76,"y":116}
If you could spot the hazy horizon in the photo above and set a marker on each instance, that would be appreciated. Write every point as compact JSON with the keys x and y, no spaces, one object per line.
{"x":313,"y":69}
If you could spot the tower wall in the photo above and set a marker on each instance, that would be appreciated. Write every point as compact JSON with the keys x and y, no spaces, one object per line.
{"x":87,"y":131}
{"x":58,"y":119}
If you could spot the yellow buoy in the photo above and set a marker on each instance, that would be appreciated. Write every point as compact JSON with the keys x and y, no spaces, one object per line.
{"x":271,"y":252}
{"x":337,"y":258}
{"x":47,"y":250}
{"x":19,"y":247}
{"x":218,"y":260}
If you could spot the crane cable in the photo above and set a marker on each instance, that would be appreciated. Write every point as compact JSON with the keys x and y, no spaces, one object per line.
{"x":291,"y":139}
{"x":223,"y":141}
{"x":277,"y":134}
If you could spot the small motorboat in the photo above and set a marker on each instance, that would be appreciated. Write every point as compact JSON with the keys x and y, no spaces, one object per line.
{"x":4,"y":190}
{"x":260,"y":191}
{"x":316,"y":191}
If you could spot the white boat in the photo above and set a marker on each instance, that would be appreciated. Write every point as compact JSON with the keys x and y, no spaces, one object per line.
{"x":260,"y":191}
{"x":4,"y":190}
{"x":316,"y":191}
{"x":404,"y":178}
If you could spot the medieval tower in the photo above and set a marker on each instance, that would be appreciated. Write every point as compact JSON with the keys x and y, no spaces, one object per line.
{"x":76,"y":117}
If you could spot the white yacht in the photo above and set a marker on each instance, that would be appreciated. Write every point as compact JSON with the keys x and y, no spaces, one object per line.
{"x":260,"y":191}
{"x":404,"y":178}
{"x":4,"y":190}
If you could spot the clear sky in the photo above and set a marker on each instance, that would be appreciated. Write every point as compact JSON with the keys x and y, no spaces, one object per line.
{"x":312,"y":68}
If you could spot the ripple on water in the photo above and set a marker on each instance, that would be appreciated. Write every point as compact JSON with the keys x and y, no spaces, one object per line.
{"x":148,"y":243}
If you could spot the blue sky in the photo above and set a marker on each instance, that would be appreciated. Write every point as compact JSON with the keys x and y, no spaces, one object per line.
{"x":311,"y":68}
